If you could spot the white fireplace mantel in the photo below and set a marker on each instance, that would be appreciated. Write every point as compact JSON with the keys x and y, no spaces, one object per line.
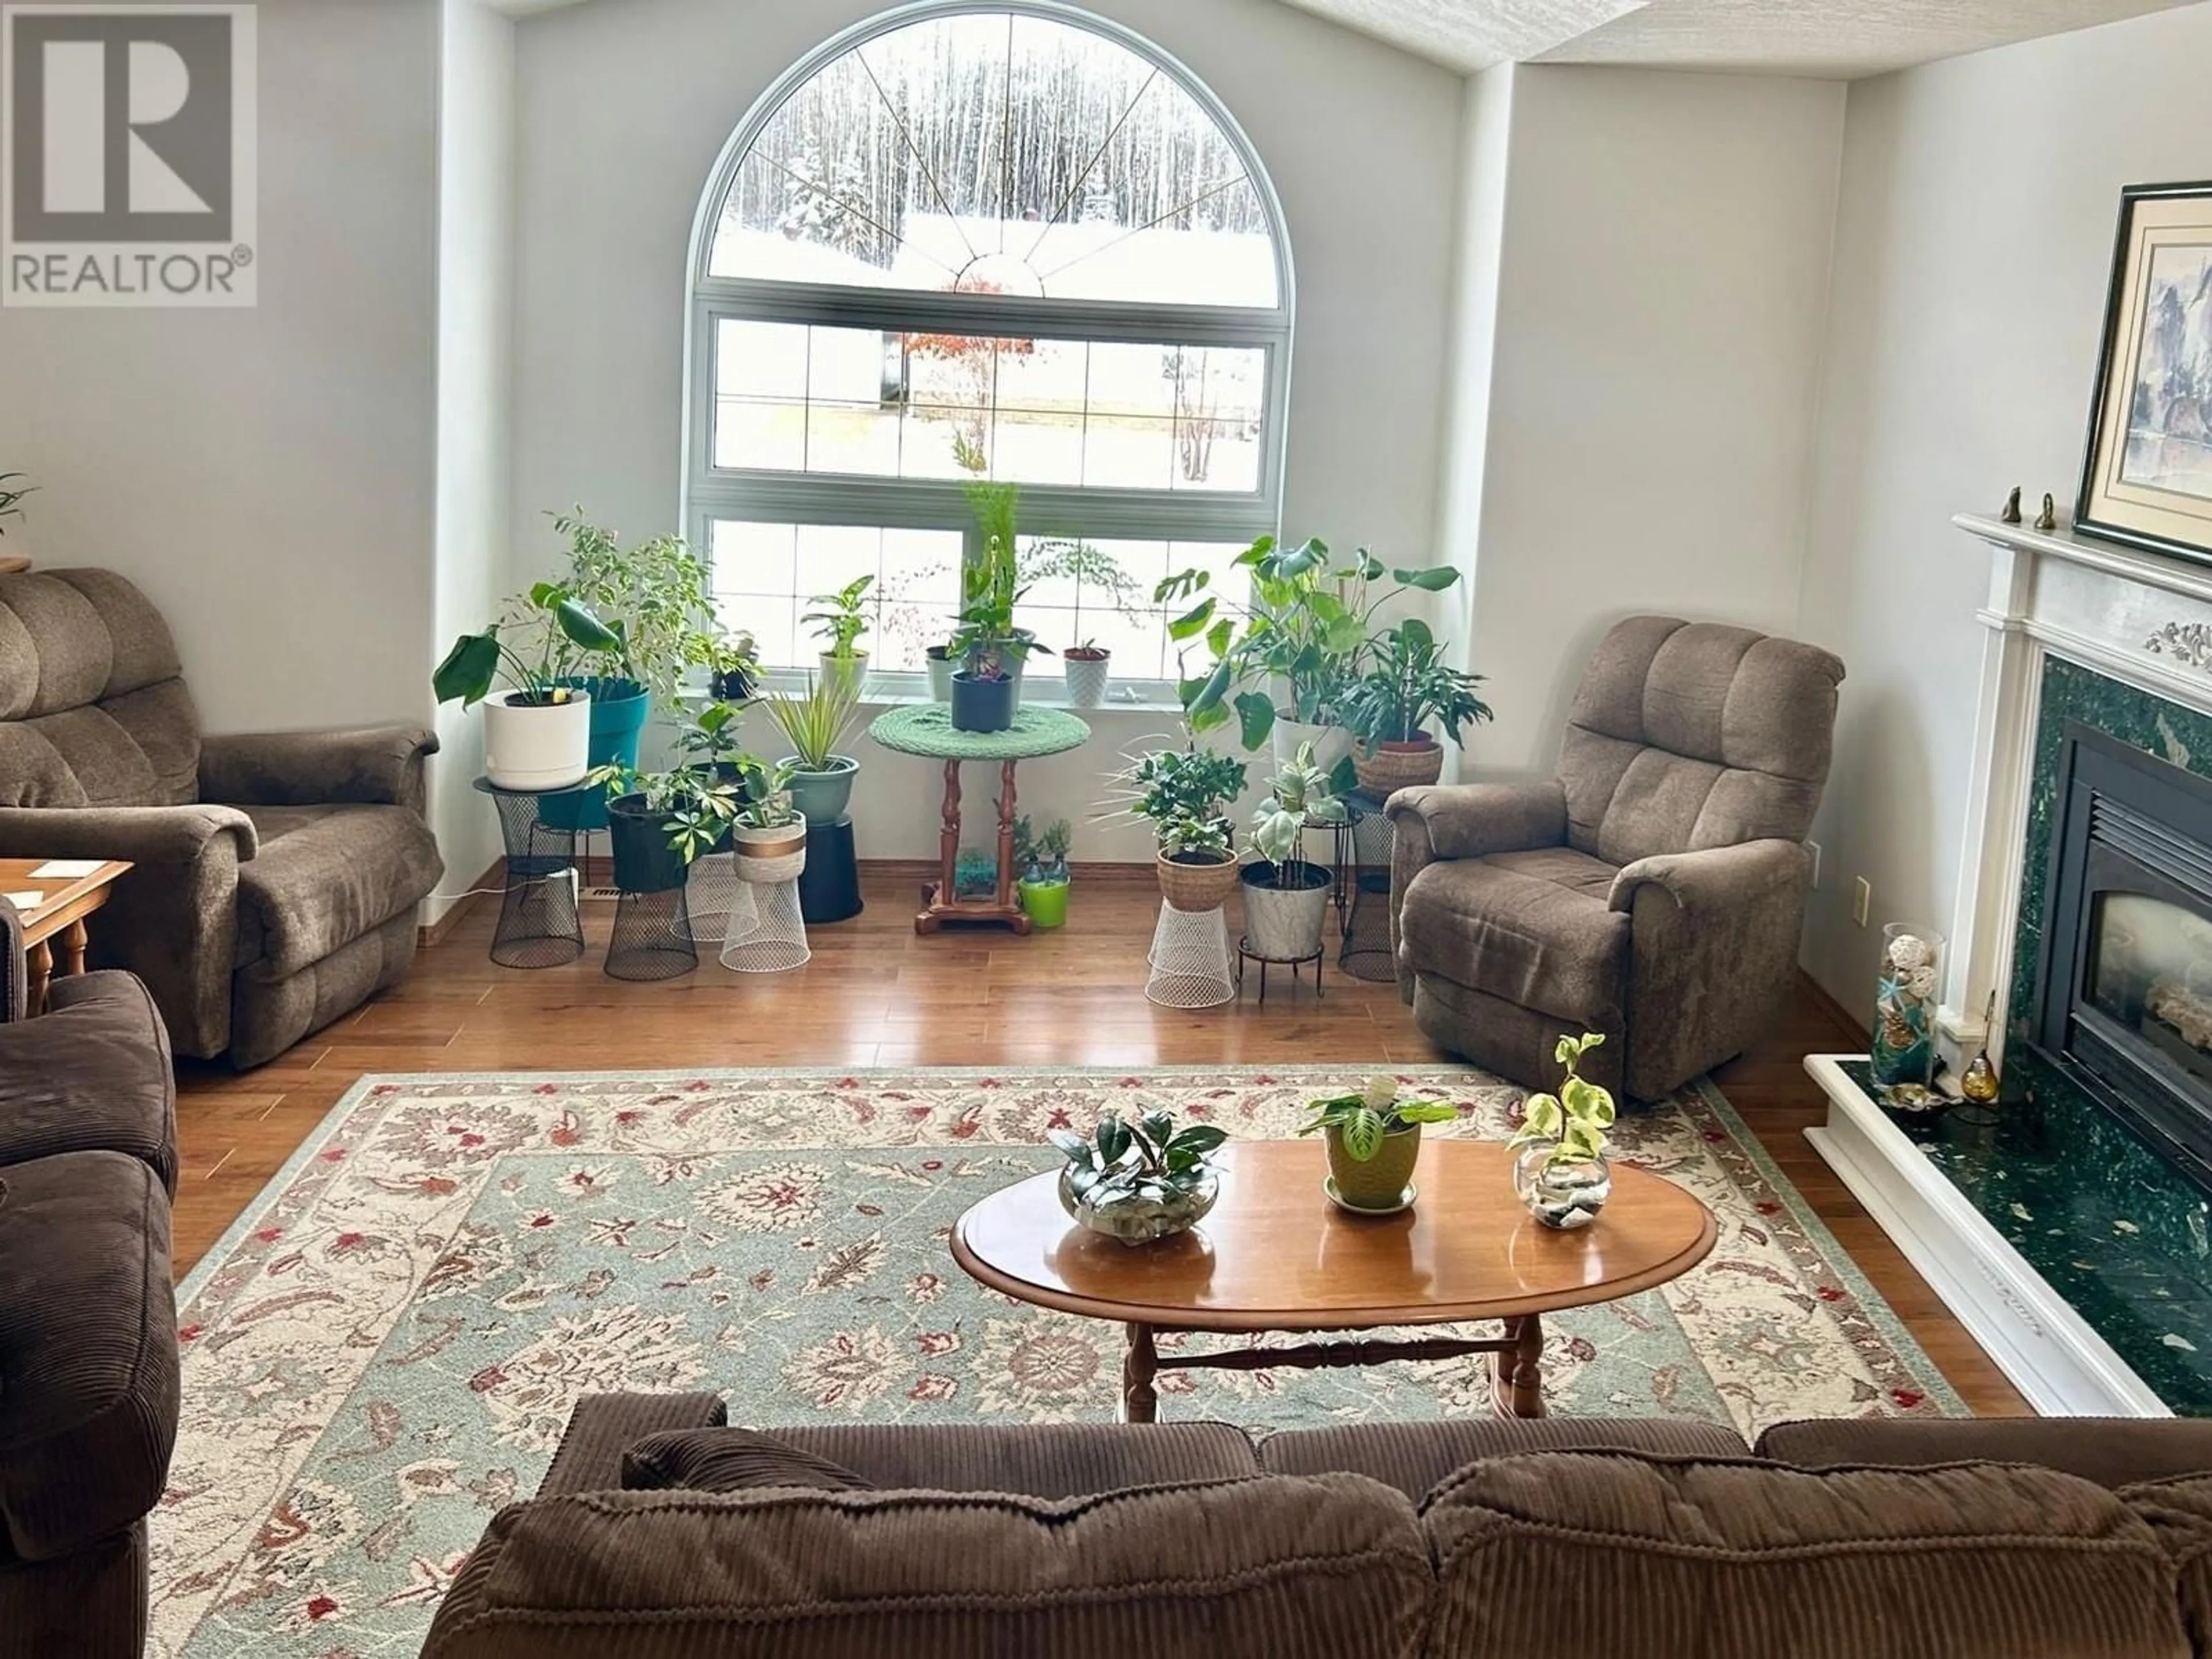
{"x":2098,"y":604}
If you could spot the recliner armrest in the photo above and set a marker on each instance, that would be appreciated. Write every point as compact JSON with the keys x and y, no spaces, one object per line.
{"x":133,"y":835}
{"x":1472,"y":820}
{"x":377,"y":765}
{"x":1717,"y":878}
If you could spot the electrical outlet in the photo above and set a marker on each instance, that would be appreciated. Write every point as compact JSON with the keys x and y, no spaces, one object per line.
{"x":1861,"y":899}
{"x":1813,"y":847}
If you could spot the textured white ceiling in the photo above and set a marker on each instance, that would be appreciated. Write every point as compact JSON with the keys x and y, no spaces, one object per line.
{"x":1837,"y":39}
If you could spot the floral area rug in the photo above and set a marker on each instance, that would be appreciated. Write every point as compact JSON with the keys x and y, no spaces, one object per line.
{"x":385,"y":1349}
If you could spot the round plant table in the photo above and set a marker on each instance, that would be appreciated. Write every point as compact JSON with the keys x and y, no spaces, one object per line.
{"x":927,"y":730}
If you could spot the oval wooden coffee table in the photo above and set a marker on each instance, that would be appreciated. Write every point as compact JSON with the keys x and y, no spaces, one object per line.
{"x":1276,"y":1256}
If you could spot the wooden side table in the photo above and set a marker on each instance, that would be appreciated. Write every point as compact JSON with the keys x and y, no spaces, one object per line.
{"x":65,"y":901}
{"x":926,"y":729}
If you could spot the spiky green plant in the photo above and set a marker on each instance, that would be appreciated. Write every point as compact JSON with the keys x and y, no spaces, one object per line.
{"x":815,"y":723}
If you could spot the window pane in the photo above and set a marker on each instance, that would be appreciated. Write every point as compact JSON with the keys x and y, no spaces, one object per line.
{"x":1016,"y":154}
{"x":768,"y":575}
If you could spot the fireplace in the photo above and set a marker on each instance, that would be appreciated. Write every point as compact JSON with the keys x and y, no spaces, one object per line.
{"x":2124,"y":991}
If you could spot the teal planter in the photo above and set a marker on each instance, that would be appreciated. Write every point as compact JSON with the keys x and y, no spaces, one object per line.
{"x":822,"y":797}
{"x":620,"y":709}
{"x":1045,"y":903}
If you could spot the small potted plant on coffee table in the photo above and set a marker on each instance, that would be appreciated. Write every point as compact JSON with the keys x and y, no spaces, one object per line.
{"x":843,"y":620}
{"x":1042,"y":857}
{"x":770,"y":835}
{"x":1286,"y":896}
{"x":1184,"y":794}
{"x":1139,"y":1182}
{"x":821,"y":779}
{"x":1390,"y":709}
{"x":1374,"y":1139}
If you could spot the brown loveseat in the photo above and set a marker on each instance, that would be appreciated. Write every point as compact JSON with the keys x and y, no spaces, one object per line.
{"x":656,"y":1536}
{"x":1654,"y":892}
{"x":276,"y":876}
{"x":88,"y":1325}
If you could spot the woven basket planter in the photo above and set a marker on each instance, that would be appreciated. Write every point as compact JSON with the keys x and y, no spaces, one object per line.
{"x":1196,"y":887}
{"x":771,"y":855}
{"x":1395,"y":766}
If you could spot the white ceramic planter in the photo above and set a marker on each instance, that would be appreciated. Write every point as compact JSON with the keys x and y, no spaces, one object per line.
{"x":941,"y":670}
{"x":853,"y":670}
{"x":1283,"y":926}
{"x":1086,"y":681}
{"x":1331,"y":742}
{"x":537,"y":746}
{"x":770,"y":855}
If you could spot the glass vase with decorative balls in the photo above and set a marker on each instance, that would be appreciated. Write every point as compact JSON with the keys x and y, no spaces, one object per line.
{"x":1561,"y":1169}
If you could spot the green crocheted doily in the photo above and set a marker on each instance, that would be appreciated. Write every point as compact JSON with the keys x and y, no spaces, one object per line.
{"x":927,"y":728}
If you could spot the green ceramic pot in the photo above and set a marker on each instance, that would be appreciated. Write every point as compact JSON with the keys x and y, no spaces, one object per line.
{"x":1380,"y":1183}
{"x":1045,"y":903}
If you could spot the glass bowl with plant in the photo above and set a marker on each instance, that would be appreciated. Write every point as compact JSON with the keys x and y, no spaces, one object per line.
{"x":839,"y":623}
{"x":1559,"y":1168}
{"x":1373,"y":1140}
{"x":1286,"y":895}
{"x":1139,"y":1182}
{"x":814,"y":724}
{"x":1408,"y":688}
{"x":1185,"y":794}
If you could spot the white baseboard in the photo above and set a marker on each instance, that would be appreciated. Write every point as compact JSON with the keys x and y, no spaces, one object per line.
{"x":2047,"y":1349}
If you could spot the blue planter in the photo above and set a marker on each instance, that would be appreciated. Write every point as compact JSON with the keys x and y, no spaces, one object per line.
{"x":619,"y":710}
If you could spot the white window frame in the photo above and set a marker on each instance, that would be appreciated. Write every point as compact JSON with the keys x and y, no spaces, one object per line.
{"x":712,"y":493}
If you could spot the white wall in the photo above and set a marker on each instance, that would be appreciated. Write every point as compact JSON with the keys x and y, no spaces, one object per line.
{"x":1654,"y":369}
{"x":622,"y":110}
{"x":475,"y":239}
{"x":265,"y":474}
{"x":1973,"y":247}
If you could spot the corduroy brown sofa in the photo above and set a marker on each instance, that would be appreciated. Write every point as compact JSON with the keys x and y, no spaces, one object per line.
{"x":658,"y":1534}
{"x":88,"y":1325}
{"x":277,"y":875}
{"x":1653,"y":891}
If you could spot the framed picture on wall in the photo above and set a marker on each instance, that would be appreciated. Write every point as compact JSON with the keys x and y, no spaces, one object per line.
{"x":2148,"y":479}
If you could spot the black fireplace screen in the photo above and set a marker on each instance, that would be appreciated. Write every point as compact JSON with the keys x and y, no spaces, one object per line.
{"x":2124,"y":999}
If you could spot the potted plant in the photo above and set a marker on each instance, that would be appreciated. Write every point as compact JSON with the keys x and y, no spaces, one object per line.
{"x":1184,"y":794}
{"x":1087,"y":663}
{"x":1295,"y":648}
{"x":658,"y":822}
{"x":1141,"y":1182}
{"x":1042,"y":857}
{"x":711,"y":741}
{"x":843,"y":619}
{"x":733,"y":668}
{"x":820,"y":779}
{"x":1388,"y":708}
{"x":11,"y":500}
{"x":1285,"y":897}
{"x":1373,"y":1140}
{"x":988,"y":649}
{"x":538,"y":731}
{"x":771,"y":836}
{"x":1560,"y":1168}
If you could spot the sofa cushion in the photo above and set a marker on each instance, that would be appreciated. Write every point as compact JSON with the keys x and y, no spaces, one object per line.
{"x":326,"y":875}
{"x":1531,"y":929}
{"x":2180,"y":1511}
{"x":91,"y":1073}
{"x":1415,"y":1457}
{"x":1044,"y":1460}
{"x":1617,"y":1554}
{"x":1280,"y":1568}
{"x":729,"y":1460}
{"x":2113,"y":1451}
{"x":87,"y":1349}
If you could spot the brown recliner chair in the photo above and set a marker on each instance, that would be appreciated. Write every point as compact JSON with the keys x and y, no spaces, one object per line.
{"x":89,"y":1365}
{"x":1654,"y":892}
{"x":254,"y":921}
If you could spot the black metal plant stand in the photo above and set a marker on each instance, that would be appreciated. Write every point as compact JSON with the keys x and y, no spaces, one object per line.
{"x":1365,"y":953}
{"x":1245,"y":953}
{"x":539,"y":924}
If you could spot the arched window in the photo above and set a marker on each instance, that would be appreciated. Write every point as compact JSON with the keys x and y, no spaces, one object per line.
{"x":1010,"y":242}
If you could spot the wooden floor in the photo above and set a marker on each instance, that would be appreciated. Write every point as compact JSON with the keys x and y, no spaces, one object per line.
{"x":876,"y":994}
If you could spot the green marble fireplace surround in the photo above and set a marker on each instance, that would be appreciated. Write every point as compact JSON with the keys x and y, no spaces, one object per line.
{"x":2118,"y":1231}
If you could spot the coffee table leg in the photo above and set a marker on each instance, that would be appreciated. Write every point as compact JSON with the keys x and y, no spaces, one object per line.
{"x":38,"y":961}
{"x":1517,"y":1384}
{"x":74,"y":943}
{"x":1140,"y":1403}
